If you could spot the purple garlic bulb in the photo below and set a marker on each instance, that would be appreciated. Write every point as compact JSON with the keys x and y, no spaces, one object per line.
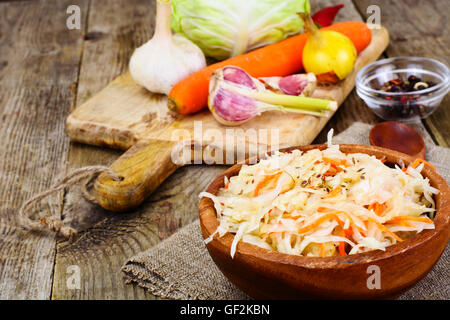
{"x":228,"y":106}
{"x":236,"y":97}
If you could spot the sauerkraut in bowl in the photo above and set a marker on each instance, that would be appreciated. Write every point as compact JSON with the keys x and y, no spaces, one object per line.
{"x":324,"y":203}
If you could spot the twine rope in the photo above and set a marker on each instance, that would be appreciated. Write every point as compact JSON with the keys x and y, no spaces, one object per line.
{"x":55,"y":224}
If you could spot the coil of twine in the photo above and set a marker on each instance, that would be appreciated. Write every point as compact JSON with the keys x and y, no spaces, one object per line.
{"x":88,"y":173}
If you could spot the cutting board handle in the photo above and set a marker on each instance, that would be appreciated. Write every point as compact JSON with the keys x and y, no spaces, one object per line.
{"x":141,"y":170}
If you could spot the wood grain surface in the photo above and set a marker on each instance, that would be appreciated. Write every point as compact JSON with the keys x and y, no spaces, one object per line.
{"x":39,"y":63}
{"x":47,"y":70}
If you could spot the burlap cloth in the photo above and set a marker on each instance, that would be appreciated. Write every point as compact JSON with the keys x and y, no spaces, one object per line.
{"x":181,"y":268}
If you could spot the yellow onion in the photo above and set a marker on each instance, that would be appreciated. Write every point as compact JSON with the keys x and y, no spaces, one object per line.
{"x":330,"y":55}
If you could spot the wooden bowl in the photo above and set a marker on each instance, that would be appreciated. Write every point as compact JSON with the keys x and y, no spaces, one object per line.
{"x":265,"y":274}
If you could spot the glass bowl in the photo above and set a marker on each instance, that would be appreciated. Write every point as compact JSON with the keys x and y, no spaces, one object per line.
{"x":405,"y":106}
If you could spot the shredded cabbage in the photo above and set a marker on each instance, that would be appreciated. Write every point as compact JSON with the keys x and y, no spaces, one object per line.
{"x":323,"y":203}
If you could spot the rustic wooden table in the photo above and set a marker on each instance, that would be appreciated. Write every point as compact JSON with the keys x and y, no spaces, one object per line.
{"x":47,"y":70}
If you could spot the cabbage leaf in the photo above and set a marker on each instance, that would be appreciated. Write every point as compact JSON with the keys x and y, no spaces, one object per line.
{"x":227,"y":28}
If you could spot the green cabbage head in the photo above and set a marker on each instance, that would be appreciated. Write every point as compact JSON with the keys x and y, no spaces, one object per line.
{"x":227,"y":28}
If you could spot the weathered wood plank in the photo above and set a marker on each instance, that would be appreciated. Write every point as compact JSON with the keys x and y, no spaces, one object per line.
{"x":39,"y":60}
{"x":419,"y":28}
{"x":106,"y":239}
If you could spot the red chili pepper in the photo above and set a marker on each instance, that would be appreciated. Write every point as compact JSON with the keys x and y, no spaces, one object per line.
{"x":325,"y":17}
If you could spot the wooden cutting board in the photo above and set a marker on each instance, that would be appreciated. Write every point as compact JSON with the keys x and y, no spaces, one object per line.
{"x":126,"y":116}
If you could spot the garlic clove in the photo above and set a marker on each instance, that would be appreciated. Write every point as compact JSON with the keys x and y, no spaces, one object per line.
{"x":230,"y":108}
{"x":296,"y":84}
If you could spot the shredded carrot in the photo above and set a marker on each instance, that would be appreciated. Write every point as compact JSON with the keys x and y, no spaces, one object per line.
{"x":227,"y":185}
{"x":348,"y":232}
{"x":384,"y":229}
{"x":336,"y":163}
{"x":335,"y":191}
{"x":418,"y":161}
{"x":377,"y":207}
{"x":317,"y":222}
{"x":322,"y":249}
{"x":400,"y":223}
{"x":342,"y":245}
{"x":332,"y":170}
{"x":291,"y":217}
{"x":402,"y":218}
{"x":264,"y":181}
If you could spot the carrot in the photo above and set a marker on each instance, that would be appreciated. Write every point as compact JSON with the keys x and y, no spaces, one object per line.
{"x":336,"y":162}
{"x":401,"y":218}
{"x":384,"y":229}
{"x":418,"y":161}
{"x":335,"y":191}
{"x":279,"y":59}
{"x":317,"y":222}
{"x":377,"y":207}
{"x":333,"y":170}
{"x":342,"y":245}
{"x":264,"y":181}
{"x":346,"y":232}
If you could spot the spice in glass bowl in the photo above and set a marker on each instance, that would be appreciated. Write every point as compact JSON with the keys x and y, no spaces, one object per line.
{"x":407,"y":105}
{"x":403,"y":88}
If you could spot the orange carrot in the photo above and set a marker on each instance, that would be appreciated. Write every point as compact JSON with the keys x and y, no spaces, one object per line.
{"x":336,"y":162}
{"x":332,"y":170}
{"x":264,"y":181}
{"x":279,"y":59}
{"x":342,"y":245}
{"x":316,"y":222}
{"x":377,"y":207}
{"x":401,"y":218}
{"x":346,"y":232}
{"x":384,"y":229}
{"x":418,"y":161}
{"x":335,"y":191}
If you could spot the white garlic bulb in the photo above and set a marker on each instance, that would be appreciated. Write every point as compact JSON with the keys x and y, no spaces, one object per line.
{"x":165,"y":60}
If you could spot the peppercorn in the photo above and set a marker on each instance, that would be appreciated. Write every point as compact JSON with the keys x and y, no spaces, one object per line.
{"x":405,"y":106}
{"x":414,"y":79}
